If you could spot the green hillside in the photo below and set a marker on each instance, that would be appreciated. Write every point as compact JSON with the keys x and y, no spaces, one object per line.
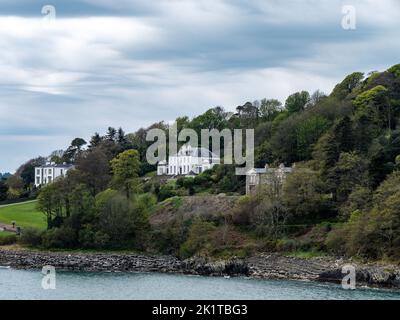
{"x":24,"y":214}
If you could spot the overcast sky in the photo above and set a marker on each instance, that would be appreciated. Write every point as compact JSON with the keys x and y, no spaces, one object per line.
{"x":130,"y":64}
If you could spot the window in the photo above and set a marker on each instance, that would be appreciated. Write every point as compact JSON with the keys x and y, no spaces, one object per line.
{"x":37,"y":171}
{"x":37,"y":180}
{"x":62,"y":172}
{"x":49,"y":171}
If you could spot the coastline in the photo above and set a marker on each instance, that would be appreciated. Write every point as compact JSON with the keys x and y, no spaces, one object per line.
{"x":263,"y":266}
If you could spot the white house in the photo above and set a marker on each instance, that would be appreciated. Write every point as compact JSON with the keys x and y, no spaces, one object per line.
{"x":188,"y":161}
{"x":50,"y":172}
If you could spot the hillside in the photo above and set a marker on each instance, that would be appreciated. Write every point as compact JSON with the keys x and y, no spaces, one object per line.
{"x":188,"y":208}
{"x":342,"y":198}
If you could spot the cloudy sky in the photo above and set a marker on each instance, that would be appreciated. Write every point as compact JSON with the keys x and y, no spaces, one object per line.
{"x":130,"y":63}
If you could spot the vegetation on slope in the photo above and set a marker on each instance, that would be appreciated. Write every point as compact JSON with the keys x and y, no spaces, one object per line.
{"x":342,"y":197}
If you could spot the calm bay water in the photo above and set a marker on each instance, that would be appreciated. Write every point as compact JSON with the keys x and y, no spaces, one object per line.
{"x":18,"y":284}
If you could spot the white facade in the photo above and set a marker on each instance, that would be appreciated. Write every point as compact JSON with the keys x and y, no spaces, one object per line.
{"x":188,"y":161}
{"x":49,"y":172}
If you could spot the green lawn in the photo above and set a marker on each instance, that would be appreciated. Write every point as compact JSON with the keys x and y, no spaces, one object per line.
{"x":24,"y":214}
{"x":6,"y":234}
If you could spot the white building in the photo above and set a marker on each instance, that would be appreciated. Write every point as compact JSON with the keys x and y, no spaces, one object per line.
{"x":272,"y":177}
{"x":50,"y":172}
{"x":188,"y":161}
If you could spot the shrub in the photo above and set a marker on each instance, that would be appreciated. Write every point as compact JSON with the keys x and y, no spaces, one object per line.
{"x":166,"y":191}
{"x":200,"y":234}
{"x":395,"y":70}
{"x":63,"y":237}
{"x":336,"y":241}
{"x":90,"y":238}
{"x":8,"y":239}
{"x":31,"y":237}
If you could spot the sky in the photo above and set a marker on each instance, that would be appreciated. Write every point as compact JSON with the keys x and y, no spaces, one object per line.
{"x":101,"y":63}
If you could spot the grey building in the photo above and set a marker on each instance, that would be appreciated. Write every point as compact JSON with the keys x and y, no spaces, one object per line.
{"x":267,"y":176}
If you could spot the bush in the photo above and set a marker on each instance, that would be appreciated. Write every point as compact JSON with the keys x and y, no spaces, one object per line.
{"x":395,"y":70}
{"x":200,"y":234}
{"x":336,"y":241}
{"x":31,"y":237}
{"x":63,"y":237}
{"x":166,"y":191}
{"x":8,"y":239}
{"x":92,"y":239}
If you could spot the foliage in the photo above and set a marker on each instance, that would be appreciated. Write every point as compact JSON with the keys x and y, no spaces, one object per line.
{"x":198,"y":239}
{"x":342,"y":196}
{"x":351,"y":82}
{"x":395,"y":70}
{"x":125,"y":168}
{"x":31,"y":236}
{"x":7,"y":238}
{"x":297,"y":102}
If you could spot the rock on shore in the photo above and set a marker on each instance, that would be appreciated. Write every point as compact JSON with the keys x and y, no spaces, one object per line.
{"x":89,"y":262}
{"x":264,"y":266}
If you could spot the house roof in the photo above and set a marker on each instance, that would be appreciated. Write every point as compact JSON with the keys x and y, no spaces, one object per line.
{"x":195,"y":152}
{"x":65,"y":166}
{"x":266,"y":170}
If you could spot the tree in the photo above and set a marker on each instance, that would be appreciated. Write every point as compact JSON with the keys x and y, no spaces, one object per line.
{"x":360,"y":200}
{"x":297,"y":102}
{"x":27,"y":171}
{"x":122,"y":140}
{"x":199,"y":238}
{"x":304,"y":197}
{"x":3,"y":191}
{"x":15,"y":182}
{"x":329,"y":146}
{"x":111,"y":134}
{"x":78,"y":143}
{"x":270,"y":108}
{"x":95,"y":140}
{"x":316,"y":98}
{"x":343,"y":89}
{"x":51,"y":201}
{"x":307,"y":134}
{"x":125,"y":168}
{"x":214,"y":118}
{"x":74,"y":150}
{"x":93,"y":170}
{"x":349,"y":172}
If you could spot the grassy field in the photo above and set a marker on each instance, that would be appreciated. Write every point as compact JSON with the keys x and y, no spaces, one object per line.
{"x":6,"y":234}
{"x":24,"y":214}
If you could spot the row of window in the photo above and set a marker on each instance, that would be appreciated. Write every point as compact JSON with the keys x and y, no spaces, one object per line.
{"x":49,"y":171}
{"x":179,"y":160}
{"x":49,"y":179}
{"x":182,"y":169}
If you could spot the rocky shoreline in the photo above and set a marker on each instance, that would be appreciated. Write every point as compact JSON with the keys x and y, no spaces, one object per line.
{"x":265,"y":266}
